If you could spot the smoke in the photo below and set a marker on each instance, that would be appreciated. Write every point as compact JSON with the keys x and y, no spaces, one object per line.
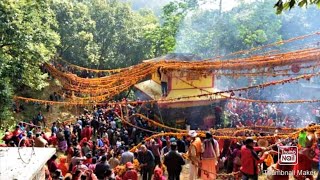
{"x":207,"y":32}
{"x":154,"y":5}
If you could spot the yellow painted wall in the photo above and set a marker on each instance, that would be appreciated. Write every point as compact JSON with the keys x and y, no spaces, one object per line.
{"x":178,"y":78}
{"x":156,"y":77}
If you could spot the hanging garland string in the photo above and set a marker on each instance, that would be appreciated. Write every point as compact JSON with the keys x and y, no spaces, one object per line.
{"x":100,"y":89}
{"x":132,"y":125}
{"x":251,"y":100}
{"x":281,"y":42}
{"x":157,"y":123}
{"x":288,"y":80}
{"x":259,"y":86}
{"x":274,"y":102}
{"x":255,"y":62}
{"x":94,"y":70}
{"x":179,"y":135}
{"x":308,"y":55}
{"x":274,"y":73}
{"x":94,"y":100}
{"x":224,"y":131}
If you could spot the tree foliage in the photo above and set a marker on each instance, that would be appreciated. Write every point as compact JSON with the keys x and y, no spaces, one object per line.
{"x":154,"y":5}
{"x":289,"y":4}
{"x":163,"y":38}
{"x":209,"y":33}
{"x":103,"y":34}
{"x":26,"y":41}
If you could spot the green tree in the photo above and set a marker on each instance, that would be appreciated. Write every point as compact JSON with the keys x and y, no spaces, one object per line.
{"x":289,"y":4}
{"x":154,"y":5}
{"x":76,"y":31}
{"x":209,"y":33}
{"x":164,"y":36}
{"x":120,"y":33}
{"x":26,"y":41}
{"x":103,"y":34}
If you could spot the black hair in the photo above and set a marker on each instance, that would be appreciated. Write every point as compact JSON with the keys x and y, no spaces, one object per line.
{"x":173,"y":146}
{"x":208,"y":135}
{"x":54,"y":157}
{"x":94,"y":160}
{"x":83,"y":177}
{"x":76,"y":153}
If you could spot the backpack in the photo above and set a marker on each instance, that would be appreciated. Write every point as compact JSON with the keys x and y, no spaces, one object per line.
{"x":209,"y":149}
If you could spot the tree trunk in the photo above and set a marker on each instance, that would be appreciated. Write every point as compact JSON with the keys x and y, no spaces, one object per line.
{"x":220,"y":7}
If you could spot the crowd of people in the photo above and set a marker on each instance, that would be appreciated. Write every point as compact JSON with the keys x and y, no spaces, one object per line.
{"x":98,"y":143}
{"x":239,"y":114}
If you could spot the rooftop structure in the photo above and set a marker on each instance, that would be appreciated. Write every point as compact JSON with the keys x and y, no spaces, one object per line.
{"x":24,"y":163}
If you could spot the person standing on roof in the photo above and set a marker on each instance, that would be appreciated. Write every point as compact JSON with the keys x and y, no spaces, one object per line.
{"x":164,"y":82}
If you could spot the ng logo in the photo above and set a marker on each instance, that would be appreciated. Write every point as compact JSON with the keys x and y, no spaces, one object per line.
{"x":288,"y":155}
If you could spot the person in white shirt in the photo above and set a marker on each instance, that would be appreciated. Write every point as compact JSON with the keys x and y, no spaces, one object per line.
{"x":113,"y":124}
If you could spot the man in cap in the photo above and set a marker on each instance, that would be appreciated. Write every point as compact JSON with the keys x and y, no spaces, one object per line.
{"x":194,"y":153}
{"x":250,"y":160}
{"x":173,"y":161}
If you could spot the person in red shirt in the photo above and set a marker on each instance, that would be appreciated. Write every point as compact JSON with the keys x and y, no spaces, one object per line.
{"x":16,"y":135}
{"x":131,"y":173}
{"x":7,"y":137}
{"x":105,"y":140}
{"x":249,"y":122}
{"x":52,"y":164}
{"x":87,"y":132}
{"x":270,"y":122}
{"x":158,"y":174}
{"x":250,"y":160}
{"x":63,"y":165}
{"x":259,"y":122}
{"x":44,"y":136}
{"x":53,"y":140}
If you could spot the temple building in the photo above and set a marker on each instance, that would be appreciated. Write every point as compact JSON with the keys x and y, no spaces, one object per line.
{"x":199,"y":110}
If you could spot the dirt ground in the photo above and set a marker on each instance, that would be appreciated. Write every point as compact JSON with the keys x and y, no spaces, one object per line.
{"x":185,"y":172}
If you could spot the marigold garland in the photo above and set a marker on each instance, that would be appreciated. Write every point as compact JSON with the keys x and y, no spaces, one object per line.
{"x":294,"y":135}
{"x":94,"y":70}
{"x":106,"y":87}
{"x":281,"y":42}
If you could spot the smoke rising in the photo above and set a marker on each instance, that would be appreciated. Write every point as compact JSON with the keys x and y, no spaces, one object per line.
{"x":208,"y":33}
